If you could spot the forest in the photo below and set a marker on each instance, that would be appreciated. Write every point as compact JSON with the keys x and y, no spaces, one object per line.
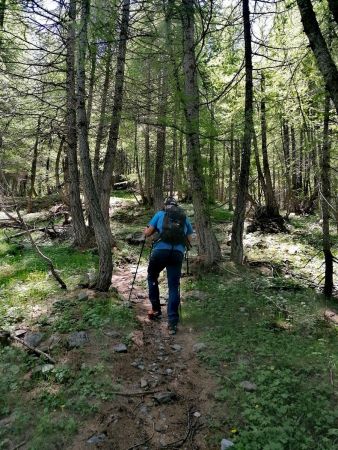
{"x":107,"y":110}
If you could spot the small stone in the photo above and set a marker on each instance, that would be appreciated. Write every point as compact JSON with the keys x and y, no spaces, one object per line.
{"x":84,"y":281}
{"x":197,"y":414}
{"x":97,"y":438}
{"x":33,"y":339}
{"x":242,"y":309}
{"x":176,"y":347}
{"x":83,"y":296}
{"x":77,"y":339}
{"x":47,"y":368}
{"x":168,"y":371}
{"x":199,"y":347}
{"x":120,"y":348}
{"x":143,"y":383}
{"x":161,"y":427}
{"x":164,"y":397}
{"x":20,"y":332}
{"x":112,"y":333}
{"x":225,"y":443}
{"x":248,"y":386}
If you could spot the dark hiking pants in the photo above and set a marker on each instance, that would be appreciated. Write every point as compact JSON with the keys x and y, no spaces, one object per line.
{"x":172,"y":261}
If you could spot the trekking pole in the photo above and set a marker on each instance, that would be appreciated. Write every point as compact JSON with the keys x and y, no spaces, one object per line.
{"x":187,"y":259}
{"x":132,"y":285}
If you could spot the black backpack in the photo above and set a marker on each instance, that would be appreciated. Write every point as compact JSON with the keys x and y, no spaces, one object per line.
{"x":173,"y":226}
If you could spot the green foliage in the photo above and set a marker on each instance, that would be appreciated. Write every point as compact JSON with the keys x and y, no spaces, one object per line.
{"x":294,"y":404}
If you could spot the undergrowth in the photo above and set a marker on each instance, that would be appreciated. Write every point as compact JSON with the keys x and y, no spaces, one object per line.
{"x":278,"y":340}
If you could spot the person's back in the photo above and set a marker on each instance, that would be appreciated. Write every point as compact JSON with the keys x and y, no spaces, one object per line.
{"x":174,"y":234}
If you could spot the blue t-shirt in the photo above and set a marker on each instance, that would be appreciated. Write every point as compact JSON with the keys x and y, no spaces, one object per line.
{"x":157,"y":223}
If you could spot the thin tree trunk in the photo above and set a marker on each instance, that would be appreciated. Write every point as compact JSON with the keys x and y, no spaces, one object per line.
{"x":57,"y":164}
{"x":102,"y":119}
{"x":212,"y":160}
{"x":79,"y":226}
{"x":326,"y":201}
{"x":92,"y":52}
{"x":320,"y":49}
{"x":160,"y":142}
{"x":147,"y":171}
{"x":270,"y":198}
{"x":102,"y":231}
{"x":34,"y":165}
{"x":208,"y":245}
{"x":107,"y":175}
{"x":333,"y":5}
{"x":137,"y":164}
{"x":239,"y":216}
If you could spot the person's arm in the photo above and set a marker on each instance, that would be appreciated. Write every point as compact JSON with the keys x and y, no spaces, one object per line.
{"x":149,"y":230}
{"x":189,"y":232}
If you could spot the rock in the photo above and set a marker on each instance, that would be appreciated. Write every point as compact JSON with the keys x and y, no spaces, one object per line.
{"x":77,"y":339}
{"x":112,"y":333}
{"x":160,"y":427}
{"x":176,"y":347}
{"x":199,"y":347}
{"x":242,"y":309}
{"x":143,"y":383}
{"x":168,"y":371}
{"x":52,"y":342}
{"x":20,"y":332}
{"x":197,"y":414}
{"x":127,"y":305}
{"x":248,"y":386}
{"x":225,"y":443}
{"x":97,"y":439}
{"x":46,"y":368}
{"x":120,"y":348}
{"x":82,"y":297}
{"x":198,"y":295}
{"x":41,"y":371}
{"x":6,"y":421}
{"x":84,"y":281}
{"x":164,"y":397}
{"x":33,"y":339}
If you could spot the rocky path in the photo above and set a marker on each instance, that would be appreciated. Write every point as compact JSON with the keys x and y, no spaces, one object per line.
{"x":167,"y":394}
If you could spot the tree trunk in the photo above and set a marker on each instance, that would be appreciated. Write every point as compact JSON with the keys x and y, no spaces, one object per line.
{"x":270,"y":198}
{"x":57,"y":164}
{"x":239,"y":216}
{"x":107,"y":175}
{"x":139,"y":176}
{"x":34,"y":165}
{"x":333,"y":5}
{"x":326,"y":201}
{"x":79,"y":226}
{"x":320,"y":49}
{"x":212,"y":180}
{"x":102,"y":231}
{"x":147,"y":171}
{"x":2,"y":14}
{"x":102,"y":119}
{"x":160,"y":141}
{"x":208,"y":245}
{"x":92,"y":52}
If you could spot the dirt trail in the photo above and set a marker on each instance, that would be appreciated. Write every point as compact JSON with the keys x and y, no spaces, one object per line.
{"x":155,"y":364}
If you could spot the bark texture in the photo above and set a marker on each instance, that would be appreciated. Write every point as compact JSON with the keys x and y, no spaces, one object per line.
{"x":107,"y":175}
{"x":239,"y":216}
{"x":208,"y":245}
{"x":326,"y":201}
{"x":320,"y":49}
{"x":101,"y":229}
{"x":79,"y":226}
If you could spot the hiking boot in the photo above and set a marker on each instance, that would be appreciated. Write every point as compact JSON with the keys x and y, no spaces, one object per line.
{"x":172,"y":329}
{"x":154,"y":315}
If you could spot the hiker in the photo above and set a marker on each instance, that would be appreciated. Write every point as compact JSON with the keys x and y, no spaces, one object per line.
{"x":175,"y":232}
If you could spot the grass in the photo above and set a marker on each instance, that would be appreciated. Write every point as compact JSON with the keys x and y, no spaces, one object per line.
{"x":45,"y":410}
{"x":295,"y":404}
